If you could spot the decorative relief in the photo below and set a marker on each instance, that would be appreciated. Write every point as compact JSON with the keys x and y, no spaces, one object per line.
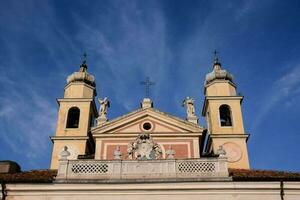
{"x":144,"y":148}
{"x":89,"y":168}
{"x":195,"y":167}
{"x":233,"y":151}
{"x":81,"y":170}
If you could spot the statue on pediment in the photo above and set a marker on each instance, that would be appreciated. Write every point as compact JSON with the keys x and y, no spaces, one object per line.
{"x":190,"y":108}
{"x":104,"y":104}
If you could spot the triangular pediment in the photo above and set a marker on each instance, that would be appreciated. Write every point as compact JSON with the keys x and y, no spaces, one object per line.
{"x":147,"y":120}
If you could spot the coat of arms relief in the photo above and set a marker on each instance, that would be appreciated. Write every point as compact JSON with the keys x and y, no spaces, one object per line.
{"x":144,"y":148}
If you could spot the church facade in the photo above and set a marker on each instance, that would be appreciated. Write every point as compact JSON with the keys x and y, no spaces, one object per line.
{"x":147,"y":153}
{"x":186,"y":138}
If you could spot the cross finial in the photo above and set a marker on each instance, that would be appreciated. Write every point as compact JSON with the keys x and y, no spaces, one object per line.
{"x":84,"y":58}
{"x":147,"y":84}
{"x":216,"y":59}
{"x":83,"y":66}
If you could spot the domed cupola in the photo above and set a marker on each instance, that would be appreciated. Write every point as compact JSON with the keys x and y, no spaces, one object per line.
{"x":218,"y":73}
{"x":82,"y":75}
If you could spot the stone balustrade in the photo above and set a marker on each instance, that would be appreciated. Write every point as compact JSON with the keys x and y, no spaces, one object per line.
{"x":142,"y":170}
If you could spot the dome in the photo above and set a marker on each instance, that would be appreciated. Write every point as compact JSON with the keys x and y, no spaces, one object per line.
{"x":82,"y":76}
{"x":218,"y":74}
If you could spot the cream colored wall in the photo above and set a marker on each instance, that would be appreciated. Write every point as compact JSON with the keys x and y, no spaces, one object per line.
{"x":218,"y":93}
{"x":151,"y":191}
{"x":75,"y":147}
{"x":62,"y":131}
{"x":220,"y":88}
{"x":236,"y":117}
{"x":240,"y":163}
{"x":233,"y":132}
{"x":79,"y":90}
{"x":79,"y":95}
{"x":84,"y":118}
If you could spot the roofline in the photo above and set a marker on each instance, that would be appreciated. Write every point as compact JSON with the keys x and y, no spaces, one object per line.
{"x":161,"y":134}
{"x":116,"y":120}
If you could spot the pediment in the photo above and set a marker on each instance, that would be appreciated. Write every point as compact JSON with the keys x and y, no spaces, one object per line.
{"x":147,"y":120}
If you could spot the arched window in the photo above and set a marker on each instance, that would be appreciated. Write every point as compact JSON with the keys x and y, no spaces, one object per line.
{"x":73,"y":117}
{"x":225,"y":115}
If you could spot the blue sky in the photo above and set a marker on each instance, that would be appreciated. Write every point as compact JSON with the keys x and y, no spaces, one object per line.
{"x":41,"y":43}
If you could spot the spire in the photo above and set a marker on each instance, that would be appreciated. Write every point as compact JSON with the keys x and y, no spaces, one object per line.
{"x":83,"y":66}
{"x":218,"y":73}
{"x":82,"y":75}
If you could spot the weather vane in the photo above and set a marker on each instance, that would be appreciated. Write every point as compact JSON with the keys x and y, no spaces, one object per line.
{"x":216,"y":54}
{"x":216,"y":58}
{"x":84,"y":58}
{"x":147,"y":84}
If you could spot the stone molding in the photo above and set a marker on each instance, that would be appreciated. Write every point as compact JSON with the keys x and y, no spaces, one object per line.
{"x":160,"y":170}
{"x":71,"y":137}
{"x":140,"y":114}
{"x":192,"y":190}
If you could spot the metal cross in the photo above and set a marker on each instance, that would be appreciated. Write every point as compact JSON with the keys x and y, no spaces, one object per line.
{"x":147,"y":84}
{"x":216,"y":54}
{"x":84,"y":57}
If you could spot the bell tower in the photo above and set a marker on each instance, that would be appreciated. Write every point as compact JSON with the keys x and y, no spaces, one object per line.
{"x":76,"y":115}
{"x":222,"y":110}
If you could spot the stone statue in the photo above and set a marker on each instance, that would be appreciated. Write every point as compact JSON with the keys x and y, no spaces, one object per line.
{"x":117,"y":153}
{"x":221,"y":152}
{"x":64,"y":154}
{"x":104,"y":104}
{"x":170,"y":153}
{"x":144,"y":148}
{"x":190,"y":109}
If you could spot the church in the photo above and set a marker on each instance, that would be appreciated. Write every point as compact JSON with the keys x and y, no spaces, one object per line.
{"x":147,"y":153}
{"x":87,"y":133}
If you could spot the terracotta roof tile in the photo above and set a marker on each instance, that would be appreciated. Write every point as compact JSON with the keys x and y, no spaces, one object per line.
{"x":33,"y":176}
{"x":263,"y":175}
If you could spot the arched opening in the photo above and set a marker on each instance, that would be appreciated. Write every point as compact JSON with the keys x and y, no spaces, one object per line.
{"x":73,"y":117}
{"x":225,"y":115}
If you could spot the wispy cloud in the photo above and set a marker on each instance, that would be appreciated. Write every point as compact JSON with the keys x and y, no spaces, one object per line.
{"x":41,"y":43}
{"x":27,"y":115}
{"x":29,"y":118}
{"x":282,"y":90}
{"x":138,"y":50}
